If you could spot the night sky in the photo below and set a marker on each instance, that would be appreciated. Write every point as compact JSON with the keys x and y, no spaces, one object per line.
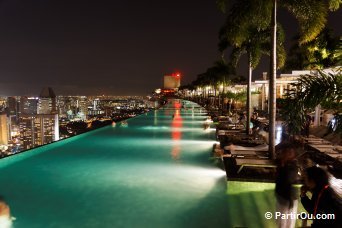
{"x":109,"y":47}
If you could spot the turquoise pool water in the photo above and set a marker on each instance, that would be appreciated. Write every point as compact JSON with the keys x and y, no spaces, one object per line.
{"x":154,"y":172}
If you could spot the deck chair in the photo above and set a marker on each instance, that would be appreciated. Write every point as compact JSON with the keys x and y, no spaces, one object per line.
{"x":263,"y":147}
{"x":247,"y":162}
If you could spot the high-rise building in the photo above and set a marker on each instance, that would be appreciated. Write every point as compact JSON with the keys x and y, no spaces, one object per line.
{"x":39,"y":129}
{"x":96,"y":107}
{"x":82,"y":107}
{"x":73,"y":107}
{"x":172,"y":81}
{"x":47,"y":102}
{"x":2,"y":104}
{"x":12,"y":107}
{"x":38,"y":119}
{"x":3,"y":129}
{"x":13,"y":115}
{"x":28,"y":105}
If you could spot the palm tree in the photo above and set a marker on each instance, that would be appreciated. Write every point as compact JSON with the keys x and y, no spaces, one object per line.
{"x":219,"y":74}
{"x":224,"y":73}
{"x":311,"y":15}
{"x":200,"y":83}
{"x":256,"y":45}
{"x":235,"y":97}
{"x":307,"y":93}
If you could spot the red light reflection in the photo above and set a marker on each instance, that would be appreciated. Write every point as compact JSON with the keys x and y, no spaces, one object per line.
{"x":176,"y":124}
{"x":176,"y":133}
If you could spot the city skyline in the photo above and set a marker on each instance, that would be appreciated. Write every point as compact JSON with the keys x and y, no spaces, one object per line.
{"x":82,"y":48}
{"x":29,"y":122}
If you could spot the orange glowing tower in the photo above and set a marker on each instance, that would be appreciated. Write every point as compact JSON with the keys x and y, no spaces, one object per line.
{"x":172,"y":82}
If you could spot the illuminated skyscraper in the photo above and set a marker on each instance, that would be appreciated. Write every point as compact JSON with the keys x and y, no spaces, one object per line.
{"x":12,"y":106}
{"x":47,"y":102}
{"x":38,"y":120}
{"x":96,"y":107}
{"x":28,"y":105}
{"x":13,"y":116}
{"x":172,"y":81}
{"x":3,"y":129}
{"x":82,"y":107}
{"x":39,"y":129}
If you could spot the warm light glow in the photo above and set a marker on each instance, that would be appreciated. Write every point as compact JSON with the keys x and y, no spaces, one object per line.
{"x":177,"y":123}
{"x":336,"y":184}
{"x":178,"y":105}
{"x":239,"y":187}
{"x":177,"y":75}
{"x":176,"y":126}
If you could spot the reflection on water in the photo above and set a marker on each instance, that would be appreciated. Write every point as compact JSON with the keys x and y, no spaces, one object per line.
{"x":155,"y":119}
{"x":176,"y":133}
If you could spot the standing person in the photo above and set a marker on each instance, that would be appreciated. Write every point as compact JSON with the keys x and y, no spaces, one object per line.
{"x":287,"y":175}
{"x":307,"y":124}
{"x":243,"y":119}
{"x":324,"y":200}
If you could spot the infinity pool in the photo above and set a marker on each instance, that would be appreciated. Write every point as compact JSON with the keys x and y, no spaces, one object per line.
{"x":153,"y":172}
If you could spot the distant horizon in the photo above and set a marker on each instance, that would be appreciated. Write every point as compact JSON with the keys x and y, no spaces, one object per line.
{"x":62,"y":92}
{"x":73,"y":95}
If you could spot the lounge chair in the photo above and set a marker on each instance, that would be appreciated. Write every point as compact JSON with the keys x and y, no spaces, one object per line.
{"x":261,"y":163}
{"x":247,"y":154}
{"x":263,"y":147}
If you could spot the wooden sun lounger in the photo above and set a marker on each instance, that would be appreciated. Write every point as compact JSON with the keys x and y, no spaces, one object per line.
{"x":263,"y":148}
{"x":250,"y":154}
{"x":244,"y":152}
{"x":336,"y":156}
{"x":262,"y":163}
{"x":310,"y":137}
{"x":225,"y":132}
{"x":321,"y":146}
{"x":328,"y":151}
{"x":319,"y":143}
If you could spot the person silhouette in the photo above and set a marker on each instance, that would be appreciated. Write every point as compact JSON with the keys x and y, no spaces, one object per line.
{"x":287,"y":176}
{"x":324,"y":199}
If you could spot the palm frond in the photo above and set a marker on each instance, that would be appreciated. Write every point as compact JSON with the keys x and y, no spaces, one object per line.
{"x":334,"y":5}
{"x":311,"y":15}
{"x":281,"y":56}
{"x":307,"y":93}
{"x":256,"y":54}
{"x":236,"y":54}
{"x":222,"y":5}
